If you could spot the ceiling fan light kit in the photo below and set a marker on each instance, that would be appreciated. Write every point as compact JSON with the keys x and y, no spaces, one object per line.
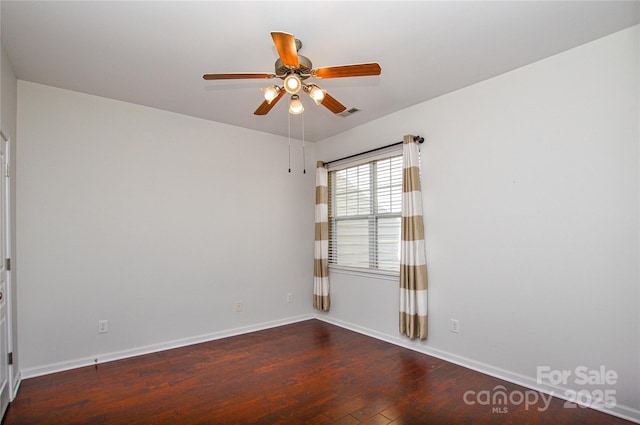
{"x":293,"y":69}
{"x":270,"y":93}
{"x":316,"y":93}
{"x":295,"y":105}
{"x":292,"y":84}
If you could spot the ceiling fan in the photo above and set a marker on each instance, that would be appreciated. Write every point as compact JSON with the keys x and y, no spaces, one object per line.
{"x":294,"y":69}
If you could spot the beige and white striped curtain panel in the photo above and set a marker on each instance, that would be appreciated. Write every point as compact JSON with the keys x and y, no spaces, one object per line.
{"x":413,"y":265}
{"x":321,"y":300}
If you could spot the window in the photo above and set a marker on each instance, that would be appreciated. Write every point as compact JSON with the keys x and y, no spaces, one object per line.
{"x":365,"y":207}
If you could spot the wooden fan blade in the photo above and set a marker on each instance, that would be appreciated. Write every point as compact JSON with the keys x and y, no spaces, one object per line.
{"x":286,"y":47}
{"x":332,"y":104}
{"x":237,"y":76}
{"x":265,"y":107}
{"x":358,"y":70}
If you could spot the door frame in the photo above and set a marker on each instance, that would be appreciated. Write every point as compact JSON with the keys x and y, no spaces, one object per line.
{"x":6,"y":169}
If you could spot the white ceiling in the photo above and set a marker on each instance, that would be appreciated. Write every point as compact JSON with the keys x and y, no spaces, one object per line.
{"x":154,"y":53}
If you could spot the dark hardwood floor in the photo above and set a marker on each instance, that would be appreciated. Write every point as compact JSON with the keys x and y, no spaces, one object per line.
{"x":304,"y":373}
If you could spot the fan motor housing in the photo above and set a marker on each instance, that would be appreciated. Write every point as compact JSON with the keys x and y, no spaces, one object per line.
{"x":303,"y":69}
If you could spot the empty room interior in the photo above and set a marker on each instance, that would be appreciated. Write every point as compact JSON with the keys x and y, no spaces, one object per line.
{"x":320,"y":212}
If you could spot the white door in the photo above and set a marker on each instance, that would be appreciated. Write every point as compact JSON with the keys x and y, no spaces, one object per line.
{"x":5,"y":390}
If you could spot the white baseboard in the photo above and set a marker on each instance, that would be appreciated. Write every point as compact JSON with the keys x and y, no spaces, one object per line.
{"x":154,"y":348}
{"x":620,"y":411}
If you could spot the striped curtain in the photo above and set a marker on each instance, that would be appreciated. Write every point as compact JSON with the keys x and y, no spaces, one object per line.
{"x":413,"y":266}
{"x":321,"y":300}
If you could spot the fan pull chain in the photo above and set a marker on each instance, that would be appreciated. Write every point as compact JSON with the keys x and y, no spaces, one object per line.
{"x":304,"y":156}
{"x":289,"y":119}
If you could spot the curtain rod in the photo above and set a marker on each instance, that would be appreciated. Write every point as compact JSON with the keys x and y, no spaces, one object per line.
{"x":418,"y":139}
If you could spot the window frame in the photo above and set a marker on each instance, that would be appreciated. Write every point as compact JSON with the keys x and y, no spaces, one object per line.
{"x":372,"y":217}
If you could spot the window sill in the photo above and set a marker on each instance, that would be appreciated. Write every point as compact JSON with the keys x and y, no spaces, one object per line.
{"x":371,"y":273}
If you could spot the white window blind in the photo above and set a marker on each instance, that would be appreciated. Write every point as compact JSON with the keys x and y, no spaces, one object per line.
{"x":365,"y":206}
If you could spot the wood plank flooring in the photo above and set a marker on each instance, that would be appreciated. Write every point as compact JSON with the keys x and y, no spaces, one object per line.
{"x":304,"y":373}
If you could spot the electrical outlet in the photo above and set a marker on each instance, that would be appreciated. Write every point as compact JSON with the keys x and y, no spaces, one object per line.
{"x":103,"y":326}
{"x":239,"y":306}
{"x":455,"y":326}
{"x":289,"y":297}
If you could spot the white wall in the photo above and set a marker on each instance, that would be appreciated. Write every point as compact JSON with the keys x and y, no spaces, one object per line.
{"x":154,"y":221}
{"x":531,"y":184}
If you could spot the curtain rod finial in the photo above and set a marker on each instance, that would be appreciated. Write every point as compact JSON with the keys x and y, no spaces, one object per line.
{"x":418,"y":139}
